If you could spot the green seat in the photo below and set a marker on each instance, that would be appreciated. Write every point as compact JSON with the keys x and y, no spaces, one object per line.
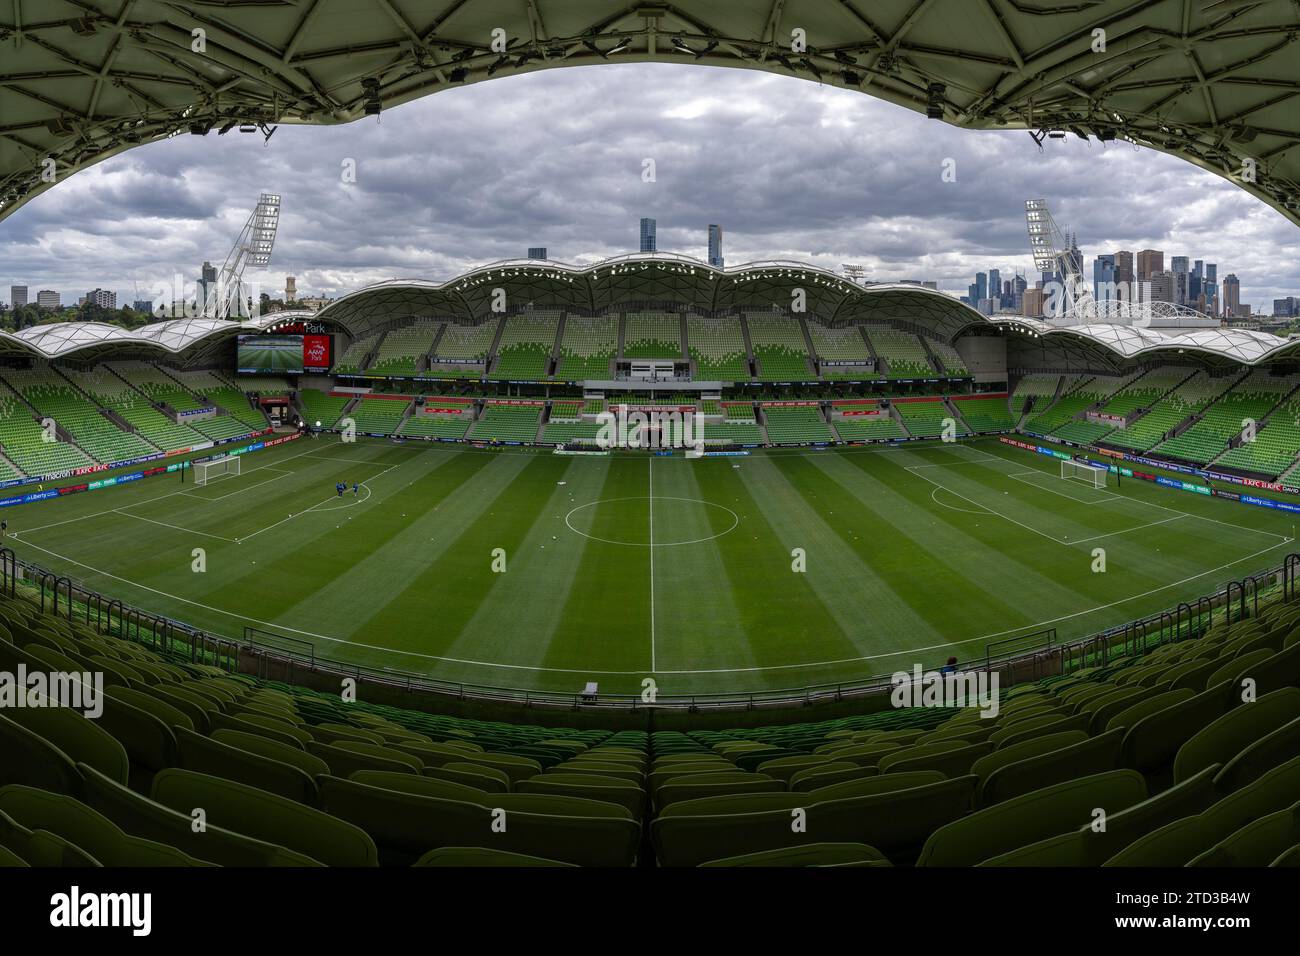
{"x":81,"y":738}
{"x":83,"y":827}
{"x":149,"y":742}
{"x":460,"y":856}
{"x":205,"y":755}
{"x":1031,"y":817}
{"x":810,"y":778}
{"x":1082,"y":758}
{"x":1088,"y":846}
{"x":346,"y":756}
{"x":1274,"y":748}
{"x":884,"y":783}
{"x":10,"y":859}
{"x":265,"y":816}
{"x":140,"y":816}
{"x":32,"y":760}
{"x":1233,"y":732}
{"x":41,"y":848}
{"x":813,"y":854}
{"x":472,"y":775}
{"x":1151,"y":743}
{"x":624,"y":793}
{"x":1178,"y":842}
{"x":1148,"y":703}
{"x":407,"y":825}
{"x":721,"y":783}
{"x":1258,"y":843}
{"x":894,"y":822}
{"x":954,"y":762}
{"x":275,"y":750}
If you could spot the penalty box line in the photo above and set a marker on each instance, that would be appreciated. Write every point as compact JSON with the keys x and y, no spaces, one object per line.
{"x":297,"y":514}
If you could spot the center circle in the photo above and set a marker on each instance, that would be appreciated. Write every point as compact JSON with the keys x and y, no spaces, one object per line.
{"x":668,"y":526}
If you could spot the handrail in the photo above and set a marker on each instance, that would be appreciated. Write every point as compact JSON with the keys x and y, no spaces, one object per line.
{"x":161,"y":633}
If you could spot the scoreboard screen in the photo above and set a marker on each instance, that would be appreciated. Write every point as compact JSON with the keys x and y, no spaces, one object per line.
{"x":270,"y":353}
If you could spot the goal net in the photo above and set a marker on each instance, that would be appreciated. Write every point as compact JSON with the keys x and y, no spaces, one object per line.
{"x":1078,"y":471}
{"x":205,"y":471}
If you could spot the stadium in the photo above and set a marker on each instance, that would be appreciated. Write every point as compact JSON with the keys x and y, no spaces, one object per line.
{"x":635,"y":552}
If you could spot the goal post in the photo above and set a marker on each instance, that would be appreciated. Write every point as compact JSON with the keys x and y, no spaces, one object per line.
{"x":213,"y":468}
{"x":1089,"y":474}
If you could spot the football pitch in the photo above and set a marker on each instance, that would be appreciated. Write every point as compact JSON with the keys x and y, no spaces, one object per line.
{"x":524,"y":569}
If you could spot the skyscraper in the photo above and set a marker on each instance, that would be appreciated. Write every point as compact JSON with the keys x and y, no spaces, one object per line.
{"x":1149,"y":262}
{"x":995,"y":288}
{"x":47,"y":299}
{"x":1181,"y":268}
{"x":1103,"y":279}
{"x":648,"y":235}
{"x":103,"y":299}
{"x":1162,"y":286}
{"x":537,"y":252}
{"x":1124,"y":267}
{"x":715,"y":246}
{"x":17,"y":296}
{"x":1210,"y":288}
{"x":207,"y":287}
{"x":981,"y":288}
{"x":1231,"y":295}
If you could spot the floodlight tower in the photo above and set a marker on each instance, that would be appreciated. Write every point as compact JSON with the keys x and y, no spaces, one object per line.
{"x":854,"y":273}
{"x":253,"y":247}
{"x":1052,"y":253}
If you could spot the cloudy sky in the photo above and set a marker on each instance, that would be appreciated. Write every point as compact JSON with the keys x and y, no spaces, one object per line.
{"x":790,"y":169}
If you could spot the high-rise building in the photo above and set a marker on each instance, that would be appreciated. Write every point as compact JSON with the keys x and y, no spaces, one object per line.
{"x":1286,"y":308}
{"x":1103,"y":279}
{"x":290,"y":288}
{"x":537,"y":252}
{"x":648,"y":235}
{"x":1181,"y":268}
{"x":995,"y":288}
{"x":47,"y":299}
{"x":981,"y":288}
{"x":1162,"y":286}
{"x":1033,"y":303}
{"x":17,"y":296}
{"x":144,"y":306}
{"x":102,"y":298}
{"x":715,"y":246}
{"x":1231,"y":296}
{"x":1194,"y":281}
{"x":207,"y":288}
{"x":1124,"y":267}
{"x":1149,"y":262}
{"x":1210,"y":290}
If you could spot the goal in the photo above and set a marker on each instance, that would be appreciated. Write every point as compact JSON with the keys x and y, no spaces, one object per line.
{"x":205,"y":471}
{"x":1079,"y":471}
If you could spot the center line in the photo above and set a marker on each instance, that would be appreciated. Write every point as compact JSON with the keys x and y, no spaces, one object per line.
{"x":651,"y":463}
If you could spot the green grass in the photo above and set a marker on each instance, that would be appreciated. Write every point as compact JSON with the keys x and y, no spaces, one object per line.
{"x":912,"y":554}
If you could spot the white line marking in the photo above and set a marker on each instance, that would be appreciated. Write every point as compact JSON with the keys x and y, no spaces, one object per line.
{"x":651,"y":463}
{"x":334,"y":497}
{"x":720,"y":670}
{"x":175,"y":527}
{"x":1112,"y":534}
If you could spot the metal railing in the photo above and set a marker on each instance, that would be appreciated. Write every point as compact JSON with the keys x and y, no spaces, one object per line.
{"x":269,"y":655}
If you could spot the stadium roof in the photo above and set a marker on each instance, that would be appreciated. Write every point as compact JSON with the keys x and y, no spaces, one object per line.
{"x":1216,"y":82}
{"x":645,"y":280}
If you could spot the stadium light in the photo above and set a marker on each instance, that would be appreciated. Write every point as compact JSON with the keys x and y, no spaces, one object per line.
{"x":620,"y":46}
{"x":934,"y":102}
{"x":681,"y":46}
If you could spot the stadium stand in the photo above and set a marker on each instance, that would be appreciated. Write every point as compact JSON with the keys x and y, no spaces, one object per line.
{"x":352,"y":360}
{"x":780,"y":352}
{"x":224,"y":396}
{"x":1168,"y":413}
{"x":157,"y":384}
{"x":1250,"y":399}
{"x":51,"y":394}
{"x":796,"y":424}
{"x":865,"y":421}
{"x":902,"y":351}
{"x":113,"y":393}
{"x":463,"y":349}
{"x":841,"y":344}
{"x":717,"y":347}
{"x":404,"y":350}
{"x":1041,"y":389}
{"x":1077,"y":397}
{"x":22,"y":440}
{"x":1276,"y":444}
{"x":587,"y":347}
{"x":926,"y":417}
{"x":652,"y":335}
{"x":985,"y":414}
{"x":953,"y":363}
{"x":381,"y":414}
{"x":439,"y":417}
{"x":1188,"y":773}
{"x":526,"y":344}
{"x":512,"y":423}
{"x":323,"y":407}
